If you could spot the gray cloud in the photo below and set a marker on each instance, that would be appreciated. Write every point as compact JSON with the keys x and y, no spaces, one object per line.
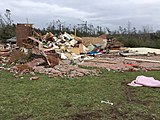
{"x":109,"y":13}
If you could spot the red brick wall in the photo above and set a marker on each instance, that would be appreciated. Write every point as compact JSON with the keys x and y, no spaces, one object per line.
{"x":22,"y":32}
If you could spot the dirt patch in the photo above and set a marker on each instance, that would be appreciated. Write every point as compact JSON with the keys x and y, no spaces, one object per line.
{"x":23,"y":117}
{"x":67,"y":104}
{"x":130,"y":95}
{"x":116,"y":113}
{"x":87,"y":115}
{"x":119,"y":113}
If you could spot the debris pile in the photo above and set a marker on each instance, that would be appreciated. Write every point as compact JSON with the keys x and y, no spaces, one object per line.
{"x":53,"y":55}
{"x":23,"y":62}
{"x":62,"y":54}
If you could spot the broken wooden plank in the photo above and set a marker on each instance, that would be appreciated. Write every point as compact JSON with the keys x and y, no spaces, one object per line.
{"x":34,"y":39}
{"x":100,"y":61}
{"x":142,"y":60}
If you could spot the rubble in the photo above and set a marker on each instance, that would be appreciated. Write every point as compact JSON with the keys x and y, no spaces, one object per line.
{"x":121,"y":64}
{"x":45,"y":54}
{"x":63,"y":54}
{"x":18,"y":55}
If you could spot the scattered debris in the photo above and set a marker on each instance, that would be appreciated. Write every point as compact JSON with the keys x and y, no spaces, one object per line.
{"x":107,"y":102}
{"x":61,"y":55}
{"x":118,"y":63}
{"x":34,"y":78}
{"x":86,"y":115}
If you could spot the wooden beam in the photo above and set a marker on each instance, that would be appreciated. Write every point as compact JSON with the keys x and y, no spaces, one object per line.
{"x":142,"y":60}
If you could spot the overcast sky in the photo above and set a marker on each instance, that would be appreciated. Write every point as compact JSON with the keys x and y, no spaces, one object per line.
{"x":109,"y":13}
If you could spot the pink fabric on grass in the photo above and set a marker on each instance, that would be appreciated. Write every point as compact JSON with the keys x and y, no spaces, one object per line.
{"x":145,"y":81}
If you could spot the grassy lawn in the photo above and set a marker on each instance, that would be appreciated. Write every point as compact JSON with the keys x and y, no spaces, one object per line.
{"x":79,"y":98}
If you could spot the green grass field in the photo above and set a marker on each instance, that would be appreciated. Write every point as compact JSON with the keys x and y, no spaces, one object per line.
{"x":78,"y":98}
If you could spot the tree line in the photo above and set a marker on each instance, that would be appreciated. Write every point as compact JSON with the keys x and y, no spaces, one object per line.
{"x":129,"y":36}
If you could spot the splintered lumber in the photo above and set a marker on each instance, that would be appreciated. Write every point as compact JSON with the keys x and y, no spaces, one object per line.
{"x":34,"y":39}
{"x":142,"y":60}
